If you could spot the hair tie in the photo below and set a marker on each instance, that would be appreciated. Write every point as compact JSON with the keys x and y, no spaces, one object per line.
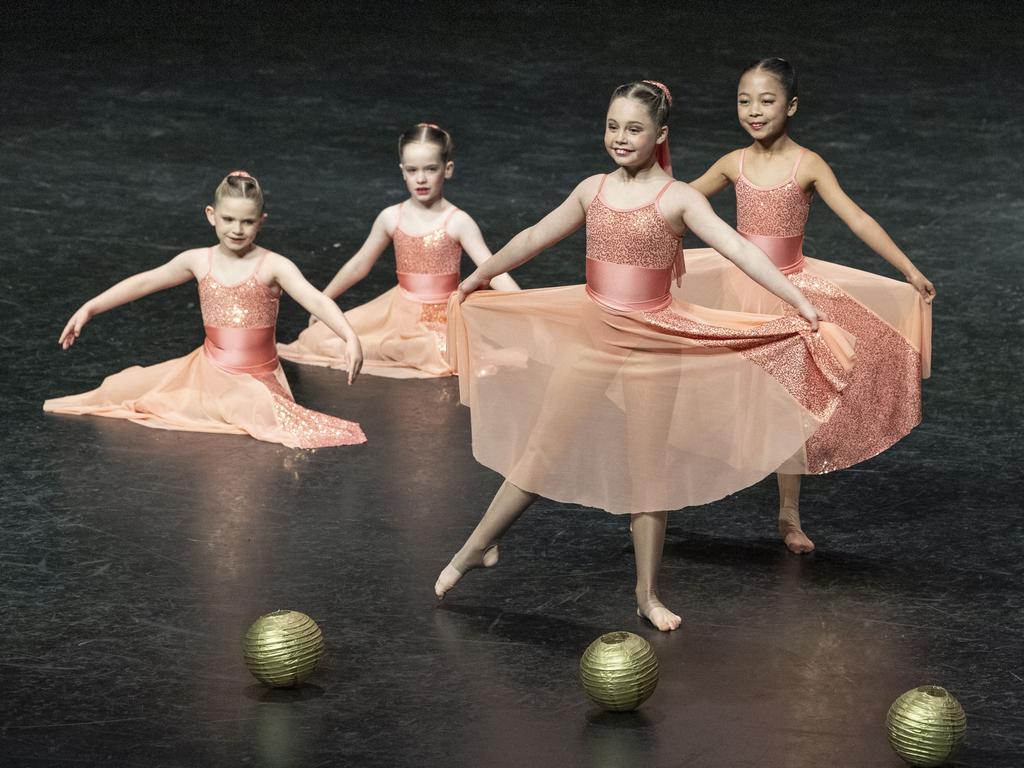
{"x":243,"y":174}
{"x":435,"y":126}
{"x":663,"y":88}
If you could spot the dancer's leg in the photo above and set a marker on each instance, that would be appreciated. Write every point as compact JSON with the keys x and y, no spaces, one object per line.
{"x":481,"y":548}
{"x":789,"y":515}
{"x":648,"y":543}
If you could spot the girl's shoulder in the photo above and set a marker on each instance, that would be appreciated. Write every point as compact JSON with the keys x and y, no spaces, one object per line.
{"x":271,"y":267}
{"x":268,"y":255}
{"x":196,"y":260}
{"x":455,"y":219}
{"x":811,"y":168}
{"x":678,"y":197}
{"x":592,"y":184}
{"x":729,"y":164}
{"x":589,"y":188}
{"x":389,"y":217}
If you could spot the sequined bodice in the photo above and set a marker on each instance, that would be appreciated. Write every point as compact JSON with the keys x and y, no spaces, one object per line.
{"x":248,"y":304}
{"x":780,"y":211}
{"x":638,"y":237}
{"x":435,"y":253}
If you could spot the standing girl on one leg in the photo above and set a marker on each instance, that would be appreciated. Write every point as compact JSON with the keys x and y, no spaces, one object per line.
{"x":233,"y":383}
{"x":775,"y":179}
{"x":631,"y":401}
{"x":404,"y":331}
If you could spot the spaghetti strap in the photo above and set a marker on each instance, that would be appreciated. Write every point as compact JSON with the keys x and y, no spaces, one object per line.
{"x":259,"y":263}
{"x":209,"y":262}
{"x":743,"y":154}
{"x":597,"y":195}
{"x":664,"y":190}
{"x":799,"y":157}
{"x":449,"y":215}
{"x":398,"y":221}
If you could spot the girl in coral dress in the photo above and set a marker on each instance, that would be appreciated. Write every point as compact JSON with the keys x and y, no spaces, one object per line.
{"x":404,"y":331}
{"x":233,"y":383}
{"x":625,"y":398}
{"x":775,"y":179}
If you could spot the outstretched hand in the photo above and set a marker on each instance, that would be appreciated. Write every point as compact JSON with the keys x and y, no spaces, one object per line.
{"x":73,"y":329}
{"x":472,"y":283}
{"x":923,"y":285}
{"x":353,"y":357}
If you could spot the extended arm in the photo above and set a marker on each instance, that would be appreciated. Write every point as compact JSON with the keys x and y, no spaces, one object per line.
{"x":865,"y":227}
{"x":557,"y":225}
{"x":178,"y":270}
{"x":295,"y":285}
{"x":466,"y":231}
{"x":358,"y":267}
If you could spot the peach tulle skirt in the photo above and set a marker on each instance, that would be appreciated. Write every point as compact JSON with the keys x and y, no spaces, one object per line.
{"x":891,"y":322}
{"x":638,"y":411}
{"x":402,"y":339}
{"x":192,"y":393}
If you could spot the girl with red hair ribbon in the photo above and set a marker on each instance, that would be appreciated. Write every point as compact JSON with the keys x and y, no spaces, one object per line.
{"x":631,"y":401}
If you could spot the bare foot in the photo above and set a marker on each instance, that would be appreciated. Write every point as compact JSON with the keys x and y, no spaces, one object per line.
{"x":452,"y":573}
{"x":660,"y":616}
{"x":789,"y":528}
{"x":798,"y":542}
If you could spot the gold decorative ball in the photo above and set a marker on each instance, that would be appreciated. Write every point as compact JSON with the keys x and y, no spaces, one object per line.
{"x":283,"y":648}
{"x":619,"y":671}
{"x":925,"y":725}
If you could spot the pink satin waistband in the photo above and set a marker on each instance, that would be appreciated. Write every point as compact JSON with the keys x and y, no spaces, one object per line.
{"x":242,"y":350}
{"x":786,"y":253}
{"x":627,"y":288}
{"x":429,"y":289}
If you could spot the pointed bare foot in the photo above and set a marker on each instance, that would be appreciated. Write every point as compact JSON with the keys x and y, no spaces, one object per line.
{"x":798,"y":542}
{"x":452,"y":573}
{"x":789,"y":528}
{"x":660,"y":616}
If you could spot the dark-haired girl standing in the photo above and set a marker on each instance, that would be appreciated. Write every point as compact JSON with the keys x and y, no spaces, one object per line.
{"x":775,"y":179}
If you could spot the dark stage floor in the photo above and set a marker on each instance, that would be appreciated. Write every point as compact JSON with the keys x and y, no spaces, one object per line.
{"x":133,"y":560}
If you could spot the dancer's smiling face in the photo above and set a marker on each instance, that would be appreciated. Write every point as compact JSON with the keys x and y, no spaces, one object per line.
{"x":762,"y":104}
{"x":630,"y":134}
{"x":425,"y":171}
{"x":237,"y":221}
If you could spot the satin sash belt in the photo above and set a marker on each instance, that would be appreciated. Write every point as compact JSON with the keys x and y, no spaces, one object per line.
{"x":428,"y":289}
{"x":627,"y":288}
{"x":242,"y":350}
{"x":786,"y":253}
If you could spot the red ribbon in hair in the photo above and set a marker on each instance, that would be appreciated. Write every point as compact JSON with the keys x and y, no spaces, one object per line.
{"x":663,"y":88}
{"x":662,"y":154}
{"x":664,"y":159}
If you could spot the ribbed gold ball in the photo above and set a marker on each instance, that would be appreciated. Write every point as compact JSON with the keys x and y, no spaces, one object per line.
{"x":283,"y":648}
{"x":925,"y":725}
{"x":619,"y":671}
